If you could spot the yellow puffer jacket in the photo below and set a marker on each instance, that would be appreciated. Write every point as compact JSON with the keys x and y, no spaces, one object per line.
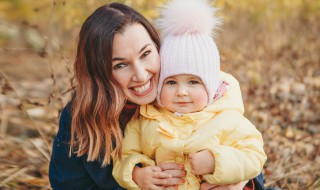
{"x":158,"y":136}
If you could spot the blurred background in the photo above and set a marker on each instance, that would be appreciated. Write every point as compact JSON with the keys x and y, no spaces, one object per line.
{"x":271,"y":46}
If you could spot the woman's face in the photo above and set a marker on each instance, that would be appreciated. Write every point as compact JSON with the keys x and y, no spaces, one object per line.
{"x":136,"y":64}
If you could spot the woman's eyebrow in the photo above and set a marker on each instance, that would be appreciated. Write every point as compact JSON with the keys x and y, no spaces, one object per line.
{"x":144,"y":47}
{"x":117,"y":59}
{"x":121,"y":59}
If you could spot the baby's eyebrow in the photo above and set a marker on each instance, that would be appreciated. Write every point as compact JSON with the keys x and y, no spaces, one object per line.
{"x":194,"y":77}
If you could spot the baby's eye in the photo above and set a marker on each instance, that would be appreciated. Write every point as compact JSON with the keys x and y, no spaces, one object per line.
{"x":170,"y":82}
{"x":194,"y":82}
{"x":119,"y":66}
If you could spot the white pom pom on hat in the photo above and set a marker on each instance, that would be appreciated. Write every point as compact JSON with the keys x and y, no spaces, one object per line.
{"x":188,"y":16}
{"x":188,"y":46}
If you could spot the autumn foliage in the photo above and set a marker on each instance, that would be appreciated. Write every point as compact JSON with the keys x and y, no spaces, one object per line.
{"x":271,"y":47}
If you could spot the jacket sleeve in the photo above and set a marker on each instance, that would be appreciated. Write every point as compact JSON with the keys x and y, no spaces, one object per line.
{"x":240,"y":156}
{"x":75,"y":172}
{"x":131,"y":156}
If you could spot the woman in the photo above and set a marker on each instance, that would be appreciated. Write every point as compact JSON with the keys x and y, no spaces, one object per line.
{"x":116,"y":69}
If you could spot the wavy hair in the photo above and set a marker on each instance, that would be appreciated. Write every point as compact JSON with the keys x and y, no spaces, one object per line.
{"x":98,"y":98}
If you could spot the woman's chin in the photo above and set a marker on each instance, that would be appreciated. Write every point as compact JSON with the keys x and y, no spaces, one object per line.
{"x":145,"y":99}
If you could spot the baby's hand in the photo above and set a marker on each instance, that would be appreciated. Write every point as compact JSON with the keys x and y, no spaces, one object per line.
{"x":202,"y":162}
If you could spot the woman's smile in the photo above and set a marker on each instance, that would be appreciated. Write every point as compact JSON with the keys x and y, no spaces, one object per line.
{"x":143,"y":89}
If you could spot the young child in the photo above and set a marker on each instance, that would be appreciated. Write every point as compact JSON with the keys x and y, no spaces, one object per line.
{"x":198,"y":107}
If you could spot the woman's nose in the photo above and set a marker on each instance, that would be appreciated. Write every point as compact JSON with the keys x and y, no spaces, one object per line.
{"x":140,"y":74}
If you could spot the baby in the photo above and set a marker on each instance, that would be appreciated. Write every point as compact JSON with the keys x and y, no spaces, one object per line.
{"x":198,"y":107}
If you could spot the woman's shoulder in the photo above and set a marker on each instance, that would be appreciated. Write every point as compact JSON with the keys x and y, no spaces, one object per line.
{"x":65,"y":123}
{"x":66,"y":114}
{"x":72,"y":171}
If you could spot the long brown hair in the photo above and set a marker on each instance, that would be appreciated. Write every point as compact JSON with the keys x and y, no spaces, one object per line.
{"x":98,"y":99}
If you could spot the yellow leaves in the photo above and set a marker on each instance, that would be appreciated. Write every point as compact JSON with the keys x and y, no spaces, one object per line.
{"x":289,"y":133}
{"x":270,"y":46}
{"x":269,"y":11}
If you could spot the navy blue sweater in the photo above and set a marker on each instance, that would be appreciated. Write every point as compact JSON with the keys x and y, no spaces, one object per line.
{"x":76,"y":172}
{"x":68,"y":173}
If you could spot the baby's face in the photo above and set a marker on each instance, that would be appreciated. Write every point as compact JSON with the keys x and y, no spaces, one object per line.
{"x":184,"y":94}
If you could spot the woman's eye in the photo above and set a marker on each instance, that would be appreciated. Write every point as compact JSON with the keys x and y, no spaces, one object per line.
{"x":171,"y":82}
{"x":145,"y":54}
{"x":119,"y":66}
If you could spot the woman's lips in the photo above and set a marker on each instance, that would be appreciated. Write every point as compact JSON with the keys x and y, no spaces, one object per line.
{"x":143,"y":89}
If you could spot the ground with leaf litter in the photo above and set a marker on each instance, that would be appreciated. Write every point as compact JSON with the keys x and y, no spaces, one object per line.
{"x":277,"y":65}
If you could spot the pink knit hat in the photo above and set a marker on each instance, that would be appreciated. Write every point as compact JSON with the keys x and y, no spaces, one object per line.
{"x":188,"y":46}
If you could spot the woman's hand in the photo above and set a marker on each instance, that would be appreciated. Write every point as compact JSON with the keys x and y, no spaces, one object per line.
{"x":173,"y":168}
{"x":237,"y":186}
{"x":176,"y":171}
{"x":153,"y":178}
{"x":202,"y":162}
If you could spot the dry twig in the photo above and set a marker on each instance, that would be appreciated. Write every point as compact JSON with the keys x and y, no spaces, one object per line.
{"x":14,"y":175}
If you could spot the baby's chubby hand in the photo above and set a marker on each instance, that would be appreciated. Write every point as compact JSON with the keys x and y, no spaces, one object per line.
{"x":202,"y":162}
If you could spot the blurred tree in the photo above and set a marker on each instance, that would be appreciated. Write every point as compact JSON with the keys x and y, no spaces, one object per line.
{"x":55,"y":23}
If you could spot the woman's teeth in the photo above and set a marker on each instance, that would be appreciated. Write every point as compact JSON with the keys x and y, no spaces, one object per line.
{"x":143,"y":88}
